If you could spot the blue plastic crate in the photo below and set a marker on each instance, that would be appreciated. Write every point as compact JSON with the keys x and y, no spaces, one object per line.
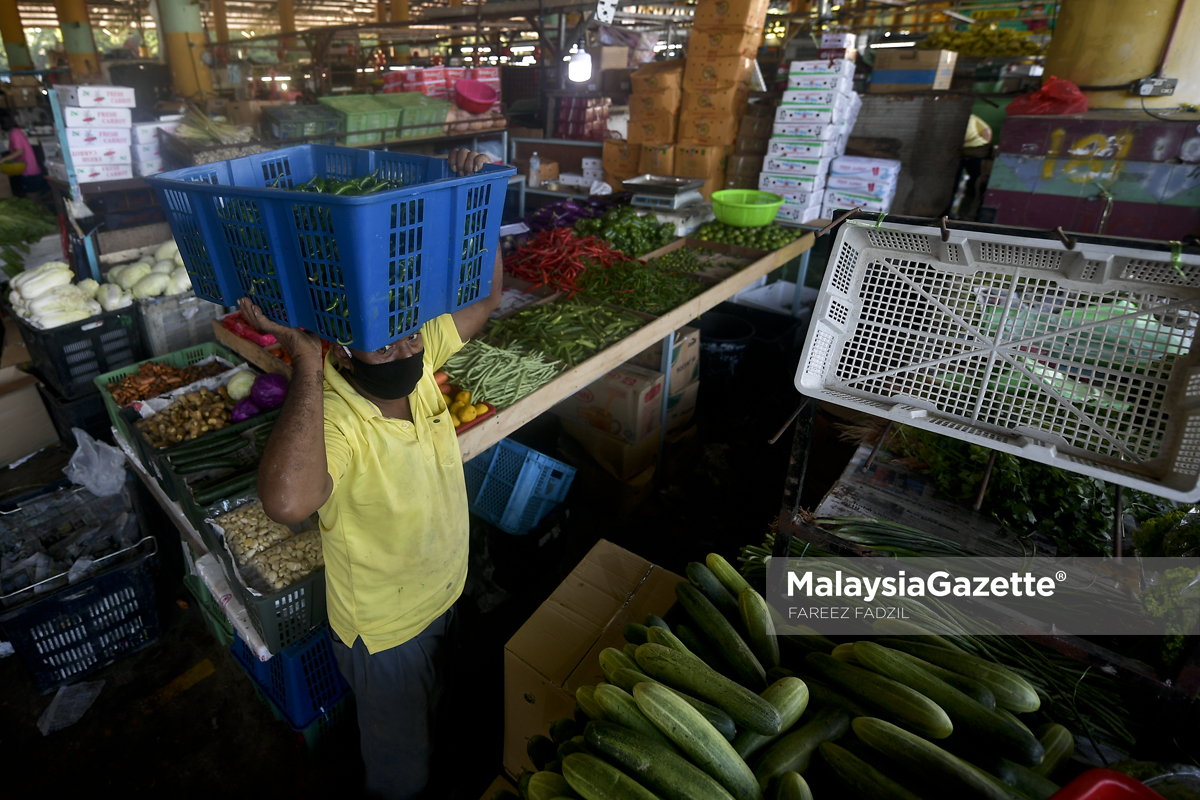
{"x":514,"y":487}
{"x":302,"y":680}
{"x":358,"y":270}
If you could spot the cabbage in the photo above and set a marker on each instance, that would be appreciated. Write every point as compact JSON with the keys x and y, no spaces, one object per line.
{"x":88,"y":286}
{"x":114,"y":274}
{"x":93,"y":307}
{"x":29,"y":274}
{"x":239,"y":385}
{"x":109,"y":297}
{"x":132,"y":274}
{"x":151,"y":285}
{"x":269,"y":390}
{"x":60,"y":298}
{"x":165,"y":267}
{"x":166,"y":251}
{"x":179,"y":259}
{"x":244,"y":409}
{"x":43,"y":282}
{"x":180,"y":281}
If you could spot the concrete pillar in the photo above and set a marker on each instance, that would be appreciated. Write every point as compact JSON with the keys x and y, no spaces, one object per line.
{"x":183,"y":38}
{"x":14,"y":36}
{"x":1115,"y":42}
{"x":220,"y":20}
{"x":77,"y":38}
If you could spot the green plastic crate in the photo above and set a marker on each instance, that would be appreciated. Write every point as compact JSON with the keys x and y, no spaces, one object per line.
{"x":214,"y":617}
{"x":419,"y":115}
{"x":363,"y":112}
{"x":291,"y":122}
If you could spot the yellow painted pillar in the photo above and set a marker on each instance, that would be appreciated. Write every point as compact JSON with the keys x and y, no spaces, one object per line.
{"x":14,"y":36}
{"x":456,"y":41}
{"x":1115,"y":42}
{"x":76,"y":30}
{"x":380,"y":11}
{"x":287,"y":16}
{"x":183,"y":38}
{"x":220,"y":20}
{"x":399,"y":10}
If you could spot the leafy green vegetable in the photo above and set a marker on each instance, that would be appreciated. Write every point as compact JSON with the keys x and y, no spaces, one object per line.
{"x":22,"y":222}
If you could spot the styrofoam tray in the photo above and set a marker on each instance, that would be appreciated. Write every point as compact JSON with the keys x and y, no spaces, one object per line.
{"x":1077,"y":358}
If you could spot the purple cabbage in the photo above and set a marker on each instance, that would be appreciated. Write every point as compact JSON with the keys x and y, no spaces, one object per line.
{"x":245,"y":409}
{"x":269,"y":390}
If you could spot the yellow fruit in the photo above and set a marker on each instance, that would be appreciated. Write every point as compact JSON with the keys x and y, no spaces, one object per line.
{"x":467,"y":414}
{"x":480,"y":409}
{"x":456,"y":407}
{"x":454,"y":418}
{"x":463,"y":397}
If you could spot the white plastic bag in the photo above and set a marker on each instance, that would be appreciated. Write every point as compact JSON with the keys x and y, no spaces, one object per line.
{"x":98,"y":467}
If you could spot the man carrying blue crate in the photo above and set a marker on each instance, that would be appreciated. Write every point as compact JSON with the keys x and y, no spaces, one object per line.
{"x":366,"y":440}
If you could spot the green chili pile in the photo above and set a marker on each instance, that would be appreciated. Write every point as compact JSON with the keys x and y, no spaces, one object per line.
{"x":571,"y":331}
{"x":350,"y":187}
{"x":496,"y":376}
{"x":641,"y":287}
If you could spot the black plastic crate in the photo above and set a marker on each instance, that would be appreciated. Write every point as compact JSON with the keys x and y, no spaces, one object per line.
{"x":87,"y":413}
{"x":70,"y":356}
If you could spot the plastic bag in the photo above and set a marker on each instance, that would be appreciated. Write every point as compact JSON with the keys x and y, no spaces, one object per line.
{"x":68,"y":705}
{"x":98,"y":467}
{"x":1056,"y":96}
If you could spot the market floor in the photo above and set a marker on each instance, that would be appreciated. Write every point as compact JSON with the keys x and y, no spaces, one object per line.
{"x":181,"y":716}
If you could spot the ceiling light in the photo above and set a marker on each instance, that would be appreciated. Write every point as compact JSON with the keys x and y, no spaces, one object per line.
{"x":580,"y":68}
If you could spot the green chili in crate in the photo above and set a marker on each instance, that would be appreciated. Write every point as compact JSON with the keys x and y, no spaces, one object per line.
{"x":652,"y":288}
{"x":571,"y":331}
{"x":499,"y":376}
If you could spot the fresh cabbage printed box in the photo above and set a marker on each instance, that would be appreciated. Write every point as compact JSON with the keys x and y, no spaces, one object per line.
{"x":798,"y":213}
{"x":98,"y":118}
{"x":810,"y":130}
{"x":796,"y":113}
{"x":868,"y":186}
{"x":839,"y":199}
{"x":769,"y":182}
{"x":822,"y":66}
{"x":814,"y":81}
{"x":96,"y":137}
{"x":91,"y":156}
{"x":801,"y":147}
{"x":816,"y":167}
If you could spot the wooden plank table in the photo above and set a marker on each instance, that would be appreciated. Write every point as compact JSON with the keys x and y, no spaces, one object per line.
{"x":491,"y":431}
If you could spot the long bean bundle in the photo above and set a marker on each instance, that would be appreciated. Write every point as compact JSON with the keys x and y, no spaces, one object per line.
{"x":571,"y":332}
{"x":499,"y":376}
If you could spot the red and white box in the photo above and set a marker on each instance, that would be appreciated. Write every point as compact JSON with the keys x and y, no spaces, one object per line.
{"x":146,"y":152}
{"x":151,"y":166}
{"x":95,"y":156}
{"x":454,"y":75}
{"x":95,"y":137}
{"x":98,"y":118}
{"x":91,"y":174}
{"x":96,"y":96}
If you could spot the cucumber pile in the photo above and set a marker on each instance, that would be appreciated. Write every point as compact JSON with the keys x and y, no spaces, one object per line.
{"x":686,"y":713}
{"x":221,"y":464}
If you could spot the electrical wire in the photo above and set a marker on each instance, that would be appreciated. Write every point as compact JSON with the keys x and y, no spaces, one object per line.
{"x":1151,"y":113}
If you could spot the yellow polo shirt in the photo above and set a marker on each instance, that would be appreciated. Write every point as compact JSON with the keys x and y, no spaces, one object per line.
{"x":395,"y":529}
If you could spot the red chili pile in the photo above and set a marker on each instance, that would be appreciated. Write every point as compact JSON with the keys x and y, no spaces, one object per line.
{"x":556,"y":258}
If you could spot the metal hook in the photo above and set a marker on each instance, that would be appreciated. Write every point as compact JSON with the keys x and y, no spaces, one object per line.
{"x":945,"y":231}
{"x":838,"y":221}
{"x":1066,"y":240}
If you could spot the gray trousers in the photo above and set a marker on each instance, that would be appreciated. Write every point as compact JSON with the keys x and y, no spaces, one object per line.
{"x":397,"y":692}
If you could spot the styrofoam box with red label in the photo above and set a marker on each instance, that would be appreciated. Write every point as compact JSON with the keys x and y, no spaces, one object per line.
{"x":801,"y":147}
{"x":859,"y":167}
{"x":429,"y":89}
{"x":797,"y":197}
{"x":868,"y":186}
{"x":151,"y":166}
{"x":98,"y":118}
{"x":823,"y":115}
{"x":829,"y":40}
{"x":92,"y":174}
{"x":146,"y":152}
{"x":793,"y":184}
{"x":95,"y":137}
{"x":453,"y":76}
{"x":817,"y":167}
{"x":484,"y":73}
{"x":821,"y":82}
{"x":96,"y":96}
{"x":835,"y":198}
{"x":147,"y":132}
{"x":90,"y":156}
{"x":822,"y":66}
{"x":593,"y":163}
{"x":810,"y":130}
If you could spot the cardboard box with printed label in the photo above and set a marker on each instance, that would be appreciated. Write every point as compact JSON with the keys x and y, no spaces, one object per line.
{"x":623,"y":403}
{"x":751,"y":145}
{"x":90,"y":156}
{"x":644,"y":104}
{"x":557,"y":650}
{"x":616,"y":82}
{"x":96,"y":96}
{"x":98,"y":137}
{"x":608,"y":57}
{"x":781,"y":165}
{"x":621,"y":459}
{"x":657,"y":76}
{"x":657,"y":159}
{"x":699,"y":160}
{"x":620,"y":157}
{"x":909,"y":69}
{"x":685,"y":358}
{"x":829,"y":40}
{"x":790,"y":183}
{"x":97,"y":117}
{"x":838,"y":53}
{"x":147,"y":132}
{"x":23,"y":418}
{"x":729,"y":14}
{"x":732,"y":41}
{"x":740,"y":164}
{"x":730,"y":100}
{"x":21,"y":96}
{"x":836,"y":198}
{"x":755,"y":127}
{"x":798,"y":212}
{"x":704,"y":128}
{"x":655,"y":128}
{"x":716,"y":73}
{"x":802,"y":147}
{"x":821,"y":66}
{"x":828,"y":82}
{"x":547,"y":170}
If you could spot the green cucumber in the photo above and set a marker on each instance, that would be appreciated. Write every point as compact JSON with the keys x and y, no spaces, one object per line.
{"x":652,"y":621}
{"x":659,"y":768}
{"x":792,"y":786}
{"x":864,"y":781}
{"x":951,"y":775}
{"x":821,"y":695}
{"x":970,"y":719}
{"x":206,"y":464}
{"x":1011,"y":690}
{"x":540,"y":750}
{"x":718,"y":632}
{"x":790,"y":698}
{"x":776,"y":673}
{"x":523,"y":784}
{"x":596,"y":780}
{"x":612,"y":659}
{"x":692,"y":734}
{"x":554,"y":766}
{"x":664,"y":637}
{"x":694,"y":677}
{"x":635,"y":633}
{"x":1059,"y":745}
{"x":793,"y":752}
{"x":226,"y":489}
{"x":801,"y":644}
{"x":573,"y":745}
{"x":703,"y":579}
{"x":585,"y":696}
{"x":1026,"y":781}
{"x":845,"y":652}
{"x":231,"y":446}
{"x":968,"y":686}
{"x":547,"y":786}
{"x":629,"y":650}
{"x":759,"y":627}
{"x":619,"y":707}
{"x":504,"y":794}
{"x":696,"y":645}
{"x":629,"y":678}
{"x":729,"y":577}
{"x":912,"y":632}
{"x":894,"y":699}
{"x":563,"y":729}
{"x":203,"y":444}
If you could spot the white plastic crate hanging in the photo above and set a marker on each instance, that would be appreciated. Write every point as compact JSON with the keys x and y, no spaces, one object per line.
{"x":1078,"y":358}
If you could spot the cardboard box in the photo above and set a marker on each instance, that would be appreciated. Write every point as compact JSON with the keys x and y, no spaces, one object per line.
{"x":91,"y":156}
{"x":703,"y":128}
{"x":616,"y":82}
{"x":820,"y":115}
{"x":657,"y":159}
{"x":657,"y":76}
{"x":751,"y":145}
{"x":547,"y":170}
{"x":625,"y":403}
{"x":799,"y":184}
{"x":714,"y":184}
{"x":614,"y":179}
{"x":848,"y":54}
{"x":656,"y":128}
{"x":735,"y":180}
{"x":810,"y":130}
{"x":644,"y":104}
{"x":798,"y":213}
{"x":755,"y":127}
{"x":732,"y":41}
{"x":744,"y":165}
{"x":716,"y":73}
{"x":620,"y":157}
{"x":23,"y":418}
{"x":837,"y":198}
{"x":681,"y":407}
{"x":729,"y":100}
{"x":96,"y":96}
{"x":21,"y":96}
{"x":829,"y":82}
{"x":608,"y":57}
{"x":866,"y":186}
{"x":14,"y":345}
{"x":97,"y":117}
{"x":699,"y":160}
{"x":909,"y":69}
{"x":685,"y":358}
{"x":500,"y":783}
{"x":619,"y":458}
{"x":729,"y":14}
{"x":820,"y":97}
{"x":557,"y":649}
{"x":98,"y":137}
{"x":91,"y":174}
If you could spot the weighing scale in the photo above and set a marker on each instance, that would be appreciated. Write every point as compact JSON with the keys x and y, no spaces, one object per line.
{"x":664,"y":192}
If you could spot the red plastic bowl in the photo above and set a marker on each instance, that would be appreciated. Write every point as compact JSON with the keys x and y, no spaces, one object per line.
{"x":474,"y":96}
{"x":1105,"y":784}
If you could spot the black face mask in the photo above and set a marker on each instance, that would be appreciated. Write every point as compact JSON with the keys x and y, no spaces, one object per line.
{"x":390,"y":380}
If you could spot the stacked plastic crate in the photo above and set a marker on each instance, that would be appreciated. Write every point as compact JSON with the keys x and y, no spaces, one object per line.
{"x":811,"y":127}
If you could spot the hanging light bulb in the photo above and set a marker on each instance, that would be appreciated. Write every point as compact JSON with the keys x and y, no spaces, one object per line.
{"x":580,"y":68}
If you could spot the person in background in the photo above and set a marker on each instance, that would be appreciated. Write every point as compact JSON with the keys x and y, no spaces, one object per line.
{"x":20,"y":149}
{"x":365,"y":440}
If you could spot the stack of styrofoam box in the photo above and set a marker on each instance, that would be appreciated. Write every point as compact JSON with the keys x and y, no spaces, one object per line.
{"x":593,"y":170}
{"x":811,"y":127}
{"x":393,"y":81}
{"x":147,"y":157}
{"x":866,"y":183}
{"x":430,"y":81}
{"x":98,"y":137}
